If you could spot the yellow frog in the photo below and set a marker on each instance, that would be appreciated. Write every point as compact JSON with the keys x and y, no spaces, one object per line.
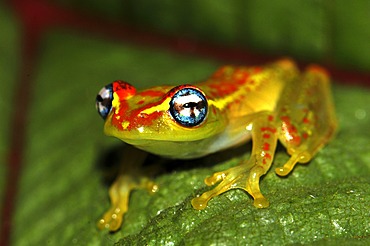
{"x":236,"y":104}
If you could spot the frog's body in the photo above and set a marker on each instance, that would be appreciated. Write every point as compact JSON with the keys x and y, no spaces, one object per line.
{"x":235,"y":104}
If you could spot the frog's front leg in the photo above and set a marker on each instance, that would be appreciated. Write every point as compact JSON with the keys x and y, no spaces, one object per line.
{"x":247,"y":174}
{"x":129,"y":178}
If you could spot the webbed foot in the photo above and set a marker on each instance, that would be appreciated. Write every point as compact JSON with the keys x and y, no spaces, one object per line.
{"x":245,"y":176}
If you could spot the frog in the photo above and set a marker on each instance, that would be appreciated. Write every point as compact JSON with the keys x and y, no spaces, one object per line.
{"x":267,"y":104}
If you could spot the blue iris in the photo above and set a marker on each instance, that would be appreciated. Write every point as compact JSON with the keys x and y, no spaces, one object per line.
{"x":189,"y":107}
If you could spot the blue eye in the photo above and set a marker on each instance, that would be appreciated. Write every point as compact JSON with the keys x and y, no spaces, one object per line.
{"x":103,"y":102}
{"x":189,"y":107}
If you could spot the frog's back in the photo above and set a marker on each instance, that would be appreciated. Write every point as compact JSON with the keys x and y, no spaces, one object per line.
{"x":240,"y":90}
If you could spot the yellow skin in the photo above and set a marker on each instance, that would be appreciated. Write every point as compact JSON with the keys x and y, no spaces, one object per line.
{"x":265,"y":104}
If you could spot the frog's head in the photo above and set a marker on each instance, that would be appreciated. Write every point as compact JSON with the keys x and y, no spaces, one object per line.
{"x":163,"y":113}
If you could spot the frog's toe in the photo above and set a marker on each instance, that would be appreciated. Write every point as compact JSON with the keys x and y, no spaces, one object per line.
{"x":200,"y":202}
{"x":215,"y":178}
{"x":261,"y":202}
{"x":226,"y":184}
{"x":297,"y":157}
{"x":111,"y":220}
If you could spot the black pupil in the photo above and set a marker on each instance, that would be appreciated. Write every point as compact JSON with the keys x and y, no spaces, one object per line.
{"x":188,"y":107}
{"x":99,"y":98}
{"x":106,"y":102}
{"x":191,"y":105}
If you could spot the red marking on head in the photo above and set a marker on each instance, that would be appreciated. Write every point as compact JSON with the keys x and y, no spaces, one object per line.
{"x":144,"y":119}
{"x":266,"y":146}
{"x":133,"y":116}
{"x":123,"y":89}
{"x":117,"y":119}
{"x":151,"y":93}
{"x":266,"y":135}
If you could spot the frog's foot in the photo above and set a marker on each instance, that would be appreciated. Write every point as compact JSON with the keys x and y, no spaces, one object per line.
{"x":119,"y":194}
{"x":298,"y":157}
{"x":244,"y":176}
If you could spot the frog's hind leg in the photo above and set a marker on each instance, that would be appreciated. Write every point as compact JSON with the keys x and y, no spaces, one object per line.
{"x":129,"y":178}
{"x":306,"y":113}
{"x":247,"y":175}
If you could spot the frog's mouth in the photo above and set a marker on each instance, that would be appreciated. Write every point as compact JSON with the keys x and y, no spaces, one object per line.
{"x":172,"y":149}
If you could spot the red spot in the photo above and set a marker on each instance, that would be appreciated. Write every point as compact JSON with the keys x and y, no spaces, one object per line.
{"x":268,"y":156}
{"x":306,"y":120}
{"x":290,"y":131}
{"x":266,"y":146}
{"x":223,"y":89}
{"x":270,"y":118}
{"x":140,"y":102}
{"x":266,"y":135}
{"x":285,"y":118}
{"x":240,"y":76}
{"x":296,"y":140}
{"x":268,"y":129}
{"x":305,"y":135}
{"x":287,"y":125}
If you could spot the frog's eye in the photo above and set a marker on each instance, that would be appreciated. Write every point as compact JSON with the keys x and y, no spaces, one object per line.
{"x":189,"y":107}
{"x":104,"y":100}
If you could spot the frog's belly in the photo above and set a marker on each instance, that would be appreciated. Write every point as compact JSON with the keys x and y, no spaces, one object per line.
{"x":192,"y":149}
